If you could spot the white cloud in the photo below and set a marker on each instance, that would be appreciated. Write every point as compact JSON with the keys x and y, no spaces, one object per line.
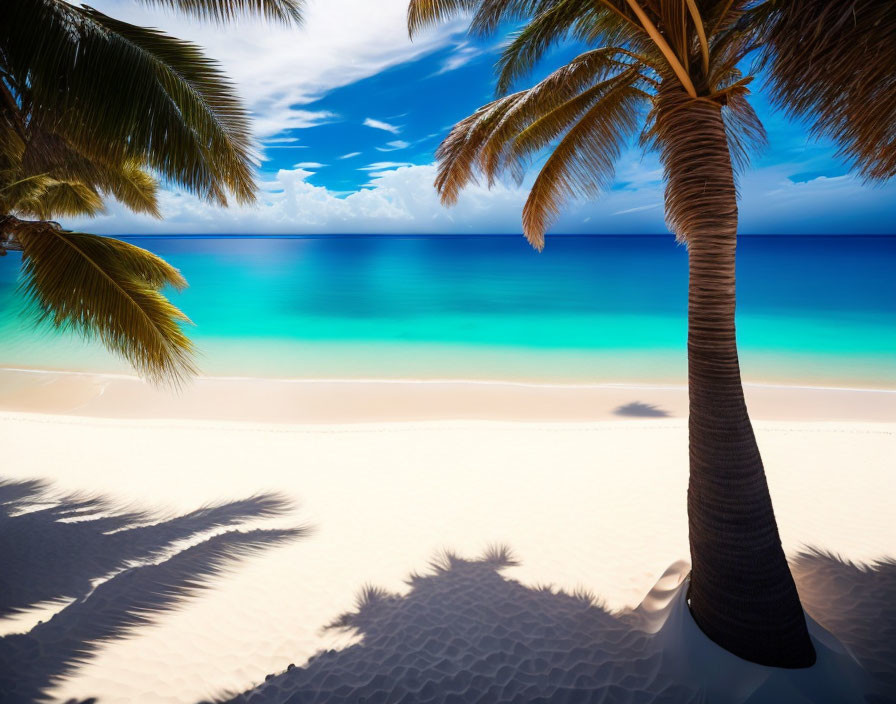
{"x":350,"y":155}
{"x":279,"y":69}
{"x":393,"y":146}
{"x":401,"y":199}
{"x":638,"y":209}
{"x":461,"y":56}
{"x":383,"y":165}
{"x":380,"y":125}
{"x":309,"y":165}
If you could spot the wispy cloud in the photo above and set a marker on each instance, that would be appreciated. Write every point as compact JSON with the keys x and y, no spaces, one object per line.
{"x":381,"y":165}
{"x":380,"y":125}
{"x":393,"y":146}
{"x":350,"y":155}
{"x":638,"y":209}
{"x":461,"y":56}
{"x":309,"y":165}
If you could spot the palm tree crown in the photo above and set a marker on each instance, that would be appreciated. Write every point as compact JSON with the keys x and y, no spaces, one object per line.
{"x":654,"y":58}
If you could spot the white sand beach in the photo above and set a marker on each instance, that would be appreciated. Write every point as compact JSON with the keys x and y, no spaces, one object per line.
{"x":585,"y":485}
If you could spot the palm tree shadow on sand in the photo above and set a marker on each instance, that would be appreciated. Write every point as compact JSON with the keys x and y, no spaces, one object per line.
{"x":465,"y":633}
{"x":638,"y":409}
{"x":55,"y":548}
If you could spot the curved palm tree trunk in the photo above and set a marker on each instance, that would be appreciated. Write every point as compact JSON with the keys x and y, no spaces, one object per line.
{"x":742,"y":594}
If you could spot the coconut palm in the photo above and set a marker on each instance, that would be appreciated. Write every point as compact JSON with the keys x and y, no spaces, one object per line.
{"x":670,"y":72}
{"x":93,"y":107}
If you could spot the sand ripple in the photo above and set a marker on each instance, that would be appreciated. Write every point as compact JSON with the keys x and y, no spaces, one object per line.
{"x":464,"y":633}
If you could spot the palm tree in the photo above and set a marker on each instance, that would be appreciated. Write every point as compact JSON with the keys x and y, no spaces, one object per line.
{"x":92,"y":107}
{"x":670,"y":71}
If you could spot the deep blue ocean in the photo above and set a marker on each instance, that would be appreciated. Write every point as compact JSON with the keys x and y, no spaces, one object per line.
{"x":812,"y":310}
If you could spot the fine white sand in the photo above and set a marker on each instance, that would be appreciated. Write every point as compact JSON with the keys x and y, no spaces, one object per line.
{"x":584,"y":504}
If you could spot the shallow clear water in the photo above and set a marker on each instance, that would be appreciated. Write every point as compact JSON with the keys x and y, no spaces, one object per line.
{"x":819,"y":310}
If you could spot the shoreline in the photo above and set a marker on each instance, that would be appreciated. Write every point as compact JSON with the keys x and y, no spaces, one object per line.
{"x":335,"y":401}
{"x":447,"y":380}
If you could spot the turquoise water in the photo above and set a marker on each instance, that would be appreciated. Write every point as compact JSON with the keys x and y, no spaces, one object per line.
{"x":818,"y":310}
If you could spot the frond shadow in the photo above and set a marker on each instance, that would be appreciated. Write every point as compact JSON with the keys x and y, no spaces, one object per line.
{"x":466,"y":633}
{"x":56,"y":548}
{"x":855,"y":602}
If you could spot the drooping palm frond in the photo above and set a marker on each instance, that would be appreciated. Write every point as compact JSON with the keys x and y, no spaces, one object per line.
{"x":228,"y":10}
{"x":119,"y":92}
{"x":484,"y":142}
{"x":424,"y":13}
{"x":583,"y":162}
{"x":458,"y":153}
{"x":743,"y":129}
{"x":49,"y":154}
{"x":549,"y":107}
{"x":105,"y":288}
{"x":132,"y":186}
{"x":28,"y":170}
{"x":833,"y":63}
{"x":48,"y":198}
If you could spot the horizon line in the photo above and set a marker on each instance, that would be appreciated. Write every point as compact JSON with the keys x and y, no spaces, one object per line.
{"x":236,"y":235}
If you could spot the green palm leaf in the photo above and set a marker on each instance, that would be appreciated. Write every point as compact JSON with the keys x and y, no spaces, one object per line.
{"x":47,"y":198}
{"x":105,"y":288}
{"x":118,"y":92}
{"x":126,"y":181}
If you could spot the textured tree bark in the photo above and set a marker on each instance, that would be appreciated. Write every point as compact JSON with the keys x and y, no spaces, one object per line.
{"x":742,"y":594}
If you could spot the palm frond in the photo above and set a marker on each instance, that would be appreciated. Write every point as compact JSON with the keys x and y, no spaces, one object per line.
{"x":591,"y":23}
{"x":743,"y":129}
{"x":722,"y":15}
{"x":48,"y":198}
{"x":485,"y":15}
{"x":583,"y":163}
{"x":482,"y":142}
{"x":119,"y":92}
{"x":491,"y":13}
{"x":550,"y":125}
{"x":575,"y":81}
{"x":132,"y":186}
{"x":457,"y":153}
{"x":105,"y":288}
{"x":127,"y":181}
{"x":289,"y":11}
{"x":425,"y":13}
{"x":833,"y":64}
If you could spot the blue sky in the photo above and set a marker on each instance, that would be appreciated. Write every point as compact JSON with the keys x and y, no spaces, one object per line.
{"x":348,"y":112}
